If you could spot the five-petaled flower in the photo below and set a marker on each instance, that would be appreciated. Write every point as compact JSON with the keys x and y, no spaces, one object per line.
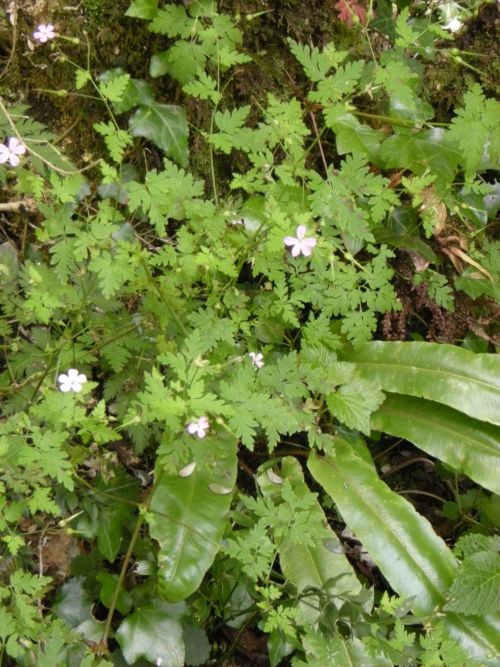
{"x":257,"y":359}
{"x":12,"y":151}
{"x":44,"y":32}
{"x":72,"y":380}
{"x":200,"y":427}
{"x":300,"y":244}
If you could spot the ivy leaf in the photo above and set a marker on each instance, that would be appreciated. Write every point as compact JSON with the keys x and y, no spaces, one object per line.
{"x":153,"y":632}
{"x":476,"y":588}
{"x":73,"y":604}
{"x":197,"y":645}
{"x":354,"y":137}
{"x":420,"y":151}
{"x":166,"y":126}
{"x":353,"y":403}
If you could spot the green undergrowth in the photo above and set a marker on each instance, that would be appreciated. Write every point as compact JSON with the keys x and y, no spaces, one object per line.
{"x":269,"y":274}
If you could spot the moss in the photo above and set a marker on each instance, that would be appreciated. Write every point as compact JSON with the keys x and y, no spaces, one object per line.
{"x":446,"y":80}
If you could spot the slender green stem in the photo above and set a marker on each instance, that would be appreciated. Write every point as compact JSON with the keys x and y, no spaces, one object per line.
{"x":121,"y":579}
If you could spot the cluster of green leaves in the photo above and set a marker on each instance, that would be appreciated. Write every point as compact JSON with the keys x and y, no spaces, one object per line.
{"x":161,"y":288}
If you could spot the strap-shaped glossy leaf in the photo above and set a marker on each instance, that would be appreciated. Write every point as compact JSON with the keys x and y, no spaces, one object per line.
{"x":468,"y":445}
{"x":188,"y":514}
{"x":446,"y":374}
{"x":322,"y":566}
{"x":414,"y":560}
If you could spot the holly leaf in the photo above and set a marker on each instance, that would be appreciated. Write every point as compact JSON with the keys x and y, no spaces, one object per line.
{"x":154,"y":632}
{"x":166,"y":126}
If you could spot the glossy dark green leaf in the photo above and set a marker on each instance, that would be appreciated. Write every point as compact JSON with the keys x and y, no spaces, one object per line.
{"x":353,"y":136}
{"x":197,"y":645}
{"x":443,"y":373}
{"x":187,"y":518}
{"x":110,"y":533}
{"x":421,"y":150}
{"x":115,"y":506}
{"x":153,"y":632}
{"x":415,"y":561}
{"x":73,"y":604}
{"x":477,"y":207}
{"x":109,"y":583}
{"x":166,"y":126}
{"x":469,"y":446}
{"x":402,"y":231}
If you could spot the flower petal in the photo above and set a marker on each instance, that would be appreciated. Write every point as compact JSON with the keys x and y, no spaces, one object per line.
{"x":290,"y":240}
{"x":296,"y":249}
{"x":301,"y":232}
{"x":15,"y":146}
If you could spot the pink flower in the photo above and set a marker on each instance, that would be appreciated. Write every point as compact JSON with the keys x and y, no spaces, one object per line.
{"x":257,"y":359}
{"x":12,"y":151}
{"x":200,"y":427}
{"x":44,"y":32}
{"x":300,"y":244}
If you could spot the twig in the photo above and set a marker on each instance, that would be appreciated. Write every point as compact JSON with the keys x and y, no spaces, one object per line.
{"x":16,"y":206}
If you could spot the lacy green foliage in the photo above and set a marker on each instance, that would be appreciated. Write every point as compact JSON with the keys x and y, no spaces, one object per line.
{"x":181,"y":300}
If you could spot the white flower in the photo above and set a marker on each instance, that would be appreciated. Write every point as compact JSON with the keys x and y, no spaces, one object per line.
{"x":450,"y":15}
{"x":72,"y":380}
{"x":257,"y":359}
{"x":452,"y":25}
{"x":44,"y":32}
{"x":200,"y":427}
{"x":300,"y":244}
{"x":12,"y":151}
